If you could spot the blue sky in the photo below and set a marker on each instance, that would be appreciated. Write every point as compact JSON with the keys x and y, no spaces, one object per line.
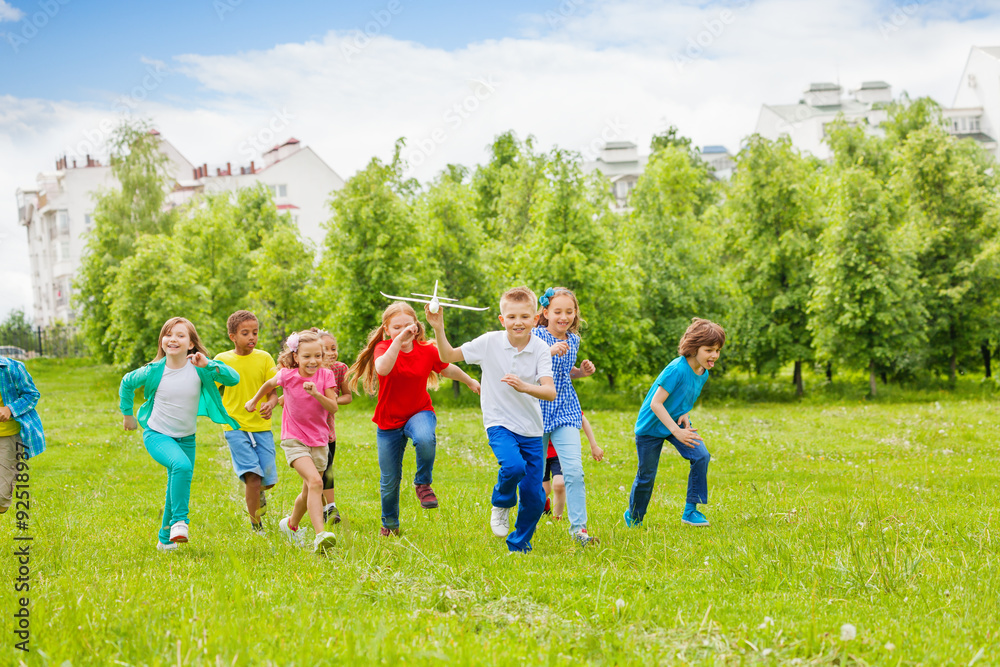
{"x":86,"y":48}
{"x":212,"y":74}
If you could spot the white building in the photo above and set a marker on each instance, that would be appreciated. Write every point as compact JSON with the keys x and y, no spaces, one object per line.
{"x":621,"y":163}
{"x":975,"y":112}
{"x":57,"y":211}
{"x":720,"y":160}
{"x":805,"y":122}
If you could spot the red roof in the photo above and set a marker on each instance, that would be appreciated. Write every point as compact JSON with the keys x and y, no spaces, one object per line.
{"x":282,"y":207}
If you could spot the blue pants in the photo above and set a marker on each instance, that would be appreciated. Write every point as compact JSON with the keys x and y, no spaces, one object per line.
{"x":177,"y":456}
{"x":648,"y":448}
{"x":522,"y":463}
{"x":391,"y":445}
{"x":566,"y":441}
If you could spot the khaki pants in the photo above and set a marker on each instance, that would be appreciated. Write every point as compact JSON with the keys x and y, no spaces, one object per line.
{"x":9,"y":445}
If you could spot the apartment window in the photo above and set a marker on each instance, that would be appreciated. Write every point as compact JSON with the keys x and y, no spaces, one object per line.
{"x":64,"y":249}
{"x":63,"y":219}
{"x":53,"y":229}
{"x":282,"y":190}
{"x":88,"y":221}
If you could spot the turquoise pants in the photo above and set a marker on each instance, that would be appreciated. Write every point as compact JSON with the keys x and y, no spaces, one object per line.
{"x":177,"y":456}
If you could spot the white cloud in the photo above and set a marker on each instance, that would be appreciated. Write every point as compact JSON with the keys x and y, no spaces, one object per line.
{"x":9,"y":13}
{"x":603,"y":64}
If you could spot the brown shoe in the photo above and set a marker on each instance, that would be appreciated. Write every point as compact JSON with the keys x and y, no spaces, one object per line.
{"x":386,"y":532}
{"x":426,"y":496}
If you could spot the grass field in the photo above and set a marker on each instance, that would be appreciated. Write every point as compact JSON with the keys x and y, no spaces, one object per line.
{"x":825,"y":512}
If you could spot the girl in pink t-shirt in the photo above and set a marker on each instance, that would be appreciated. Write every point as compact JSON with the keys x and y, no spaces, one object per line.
{"x":310,"y":393}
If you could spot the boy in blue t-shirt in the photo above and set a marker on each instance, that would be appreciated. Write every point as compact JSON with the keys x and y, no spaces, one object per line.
{"x":664,"y":416}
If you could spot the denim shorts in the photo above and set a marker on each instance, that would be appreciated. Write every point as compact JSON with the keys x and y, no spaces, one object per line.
{"x":253,"y":451}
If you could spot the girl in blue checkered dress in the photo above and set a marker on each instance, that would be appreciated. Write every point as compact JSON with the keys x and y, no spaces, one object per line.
{"x":558,"y":324}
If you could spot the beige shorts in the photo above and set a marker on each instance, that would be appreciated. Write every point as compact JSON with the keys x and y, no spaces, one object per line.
{"x":296,"y":449}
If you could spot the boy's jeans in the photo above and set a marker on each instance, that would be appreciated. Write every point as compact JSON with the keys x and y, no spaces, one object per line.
{"x":648,"y":448}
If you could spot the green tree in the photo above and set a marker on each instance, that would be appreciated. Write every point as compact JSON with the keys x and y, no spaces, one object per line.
{"x":865,"y":309}
{"x":151,"y":286}
{"x":121,"y":216}
{"x":572,"y":247}
{"x":950,"y":191}
{"x":371,"y":245}
{"x":674,"y":245}
{"x":16,"y":330}
{"x":773,"y":208}
{"x":453,"y":245}
{"x":287,"y":289}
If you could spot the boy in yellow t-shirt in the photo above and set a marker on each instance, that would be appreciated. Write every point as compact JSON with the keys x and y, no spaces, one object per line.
{"x":252,"y":446}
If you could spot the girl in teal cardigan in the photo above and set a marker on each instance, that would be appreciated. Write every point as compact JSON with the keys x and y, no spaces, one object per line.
{"x":178,"y":385}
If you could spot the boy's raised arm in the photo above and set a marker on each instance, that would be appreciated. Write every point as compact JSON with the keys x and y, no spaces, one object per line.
{"x":449,"y":355}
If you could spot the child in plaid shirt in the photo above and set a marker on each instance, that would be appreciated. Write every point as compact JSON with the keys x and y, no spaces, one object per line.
{"x":558,"y":324}
{"x":21,"y":435}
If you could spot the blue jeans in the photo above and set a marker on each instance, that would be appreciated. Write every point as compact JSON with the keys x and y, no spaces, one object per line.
{"x":566,"y":440}
{"x":177,"y":456}
{"x":391,"y":445}
{"x":522,"y":463}
{"x":648,"y":448}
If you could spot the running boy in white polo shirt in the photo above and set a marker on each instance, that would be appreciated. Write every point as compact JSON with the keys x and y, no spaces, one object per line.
{"x":517,"y":372}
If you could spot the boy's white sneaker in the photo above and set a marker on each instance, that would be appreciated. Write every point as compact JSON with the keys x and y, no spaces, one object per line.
{"x":170,"y":546}
{"x":179,"y":532}
{"x":500,"y":521}
{"x":294,"y":536}
{"x":325,"y":540}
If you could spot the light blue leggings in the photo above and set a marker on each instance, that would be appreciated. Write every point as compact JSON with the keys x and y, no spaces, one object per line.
{"x":566,"y":441}
{"x":177,"y":456}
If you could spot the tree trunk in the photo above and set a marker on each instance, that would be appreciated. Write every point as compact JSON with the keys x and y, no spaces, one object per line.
{"x":872,"y":387}
{"x":885,"y":379}
{"x":829,"y":371}
{"x":456,"y":388}
{"x":611,"y":381}
{"x":797,"y":379}
{"x":952,"y":365}
{"x":986,"y":359}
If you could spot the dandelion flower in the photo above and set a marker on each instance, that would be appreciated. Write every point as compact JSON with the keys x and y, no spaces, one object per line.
{"x":620,"y":604}
{"x":848,"y":632}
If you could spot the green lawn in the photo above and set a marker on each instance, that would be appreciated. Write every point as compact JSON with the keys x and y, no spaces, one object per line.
{"x":877,"y":514}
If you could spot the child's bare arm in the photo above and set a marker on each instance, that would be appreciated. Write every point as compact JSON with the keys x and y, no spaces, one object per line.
{"x":328,"y":399}
{"x":545,"y":390}
{"x":385,"y":363}
{"x":595,"y":450}
{"x":686,"y":436}
{"x":265,"y":388}
{"x":449,"y":354}
{"x":453,"y":372}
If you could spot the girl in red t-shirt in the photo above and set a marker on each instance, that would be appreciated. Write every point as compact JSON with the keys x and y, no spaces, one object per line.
{"x":402,"y":364}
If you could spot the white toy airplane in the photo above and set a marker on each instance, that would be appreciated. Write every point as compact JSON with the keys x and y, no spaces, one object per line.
{"x":435,"y":300}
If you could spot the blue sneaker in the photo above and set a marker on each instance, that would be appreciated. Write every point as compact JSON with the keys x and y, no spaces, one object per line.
{"x":694,"y":518}
{"x":629,"y":521}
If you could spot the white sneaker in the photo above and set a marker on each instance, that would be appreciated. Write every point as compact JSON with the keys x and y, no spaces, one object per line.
{"x":294,"y":536}
{"x":325,"y":540}
{"x":500,"y":521}
{"x":160,"y":546}
{"x":179,"y":532}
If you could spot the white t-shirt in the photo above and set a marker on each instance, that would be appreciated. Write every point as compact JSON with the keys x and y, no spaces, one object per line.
{"x":175,"y":406}
{"x":502,"y":404}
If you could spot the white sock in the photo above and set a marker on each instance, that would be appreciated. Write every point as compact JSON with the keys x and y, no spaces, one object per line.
{"x":330,"y":506}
